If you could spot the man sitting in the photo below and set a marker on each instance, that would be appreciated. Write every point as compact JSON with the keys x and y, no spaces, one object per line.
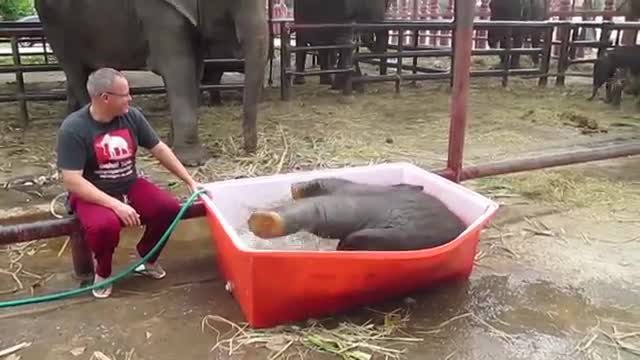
{"x":96,"y":152}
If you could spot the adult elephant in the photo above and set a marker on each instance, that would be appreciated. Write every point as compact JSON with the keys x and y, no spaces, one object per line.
{"x":163,"y":36}
{"x":336,"y":12}
{"x":631,"y":8}
{"x":516,"y":10}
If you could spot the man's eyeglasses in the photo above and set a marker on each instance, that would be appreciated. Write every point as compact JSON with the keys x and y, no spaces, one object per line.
{"x":116,"y":94}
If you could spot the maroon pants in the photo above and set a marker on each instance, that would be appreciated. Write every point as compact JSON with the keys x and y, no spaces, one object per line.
{"x":101,"y":226}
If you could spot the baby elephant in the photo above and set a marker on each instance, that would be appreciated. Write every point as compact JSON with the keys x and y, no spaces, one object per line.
{"x":611,"y":67}
{"x":362,"y":216}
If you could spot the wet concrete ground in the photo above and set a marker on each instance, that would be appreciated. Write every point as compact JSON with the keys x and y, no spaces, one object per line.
{"x":545,"y":283}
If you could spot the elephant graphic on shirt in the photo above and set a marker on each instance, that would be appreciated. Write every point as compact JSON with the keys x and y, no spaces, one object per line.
{"x":113,"y":143}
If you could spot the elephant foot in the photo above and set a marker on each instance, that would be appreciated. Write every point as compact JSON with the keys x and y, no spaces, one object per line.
{"x":215,"y":98}
{"x":359,"y":87}
{"x":202,"y":100}
{"x":299,"y":80}
{"x":215,"y":101}
{"x":325,"y":80}
{"x":266,"y":224}
{"x":190,"y":155}
{"x":297,"y":191}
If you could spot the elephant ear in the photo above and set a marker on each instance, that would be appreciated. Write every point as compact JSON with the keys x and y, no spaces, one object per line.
{"x":188,"y":8}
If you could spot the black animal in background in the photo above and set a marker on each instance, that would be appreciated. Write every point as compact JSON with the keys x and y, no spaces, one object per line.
{"x":516,"y":10}
{"x":614,"y":66}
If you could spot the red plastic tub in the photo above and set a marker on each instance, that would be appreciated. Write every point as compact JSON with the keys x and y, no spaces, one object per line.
{"x":279,"y":286}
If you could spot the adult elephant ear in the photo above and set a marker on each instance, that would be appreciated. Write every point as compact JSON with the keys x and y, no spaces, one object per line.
{"x":188,"y":8}
{"x":630,"y":8}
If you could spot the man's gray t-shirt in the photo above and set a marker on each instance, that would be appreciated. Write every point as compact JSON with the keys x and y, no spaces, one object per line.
{"x":106,"y":152}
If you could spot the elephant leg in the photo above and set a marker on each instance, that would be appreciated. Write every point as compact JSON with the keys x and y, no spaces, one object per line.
{"x":497,"y":40}
{"x":212,"y":77}
{"x":384,"y":239}
{"x":76,"y":80}
{"x":331,"y":185}
{"x":250,"y":21}
{"x":332,"y":217}
{"x":608,"y":88}
{"x":318,"y":187}
{"x":342,"y":38}
{"x":382,"y":43}
{"x":535,"y":42}
{"x":175,"y":58}
{"x":324,"y":56}
{"x":517,"y":43}
{"x":340,"y":79}
{"x":358,"y":86}
{"x":301,"y":59}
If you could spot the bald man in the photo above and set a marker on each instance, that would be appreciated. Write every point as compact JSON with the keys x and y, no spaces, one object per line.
{"x":96,"y":151}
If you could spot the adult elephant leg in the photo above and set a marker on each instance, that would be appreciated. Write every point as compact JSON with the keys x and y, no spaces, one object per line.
{"x":343,"y":38}
{"x":252,"y":26}
{"x":535,"y":42}
{"x":382,"y":43}
{"x":212,"y":77}
{"x":301,"y":58}
{"x":174,"y":54}
{"x":324,"y":57}
{"x":518,"y":38}
{"x":497,"y":40}
{"x":179,"y":76}
{"x":76,"y":86}
{"x":175,"y":59}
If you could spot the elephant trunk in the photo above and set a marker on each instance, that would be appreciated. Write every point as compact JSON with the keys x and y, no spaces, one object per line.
{"x":252,"y":27}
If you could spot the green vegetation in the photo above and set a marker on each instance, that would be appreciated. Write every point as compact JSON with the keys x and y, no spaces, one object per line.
{"x":15,"y":9}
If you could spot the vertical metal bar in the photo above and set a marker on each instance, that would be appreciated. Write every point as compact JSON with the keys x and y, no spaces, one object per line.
{"x":546,"y":57}
{"x":349,"y":63}
{"x":81,"y":255}
{"x":464,"y":14}
{"x":452,"y":60}
{"x":507,"y":57}
{"x":271,"y":39}
{"x":563,"y":61}
{"x":22,"y":102}
{"x":285,"y":62}
{"x":399,"y":63}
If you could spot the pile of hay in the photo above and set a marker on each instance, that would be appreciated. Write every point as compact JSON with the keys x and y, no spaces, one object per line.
{"x":347,"y":340}
{"x":556,"y":188}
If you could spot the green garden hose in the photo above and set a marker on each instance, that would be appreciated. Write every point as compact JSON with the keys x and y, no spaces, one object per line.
{"x":69,"y":293}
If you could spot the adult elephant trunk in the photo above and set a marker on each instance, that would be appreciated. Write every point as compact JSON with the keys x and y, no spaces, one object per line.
{"x":251,"y":25}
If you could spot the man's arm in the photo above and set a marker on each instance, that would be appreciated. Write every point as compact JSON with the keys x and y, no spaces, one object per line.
{"x":150,"y":140}
{"x":169,"y":160}
{"x":75,"y":183}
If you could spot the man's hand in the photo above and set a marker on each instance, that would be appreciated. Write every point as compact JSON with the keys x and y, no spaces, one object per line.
{"x":194,"y":186}
{"x":127,"y":214}
{"x":75,"y":183}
